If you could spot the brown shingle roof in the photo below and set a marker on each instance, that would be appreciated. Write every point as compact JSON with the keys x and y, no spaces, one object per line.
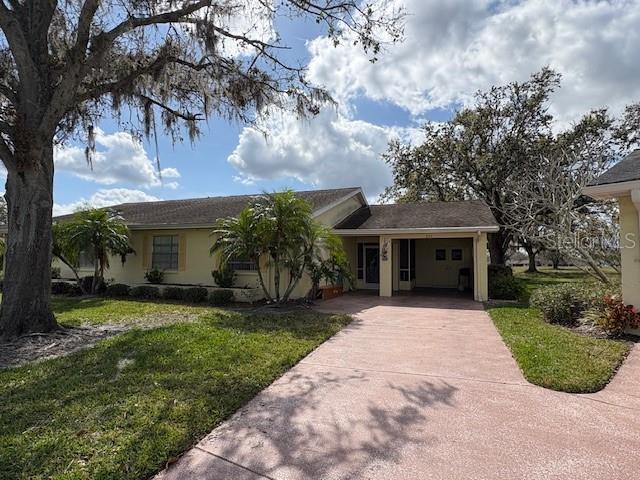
{"x":205,"y":211}
{"x":626,"y":170}
{"x":461,"y":214}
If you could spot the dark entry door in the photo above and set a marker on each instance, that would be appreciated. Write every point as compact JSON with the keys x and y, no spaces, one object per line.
{"x":372,"y":264}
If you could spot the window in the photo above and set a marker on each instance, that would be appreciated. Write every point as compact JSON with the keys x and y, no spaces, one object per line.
{"x":86,"y":259}
{"x":165,"y":252}
{"x":238,"y":263}
{"x":456,"y":254}
{"x":441,"y":254}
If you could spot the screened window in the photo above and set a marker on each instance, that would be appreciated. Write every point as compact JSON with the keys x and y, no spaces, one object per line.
{"x":407,"y":260}
{"x":456,"y":254}
{"x":238,"y":263}
{"x":165,"y":252}
{"x":441,"y":254}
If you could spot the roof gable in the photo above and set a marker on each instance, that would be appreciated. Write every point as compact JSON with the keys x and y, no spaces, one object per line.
{"x":626,"y":170}
{"x":469,"y":214}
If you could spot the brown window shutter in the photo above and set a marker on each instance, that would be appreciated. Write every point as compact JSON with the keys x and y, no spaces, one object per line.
{"x":147,"y":246}
{"x":182,"y":252}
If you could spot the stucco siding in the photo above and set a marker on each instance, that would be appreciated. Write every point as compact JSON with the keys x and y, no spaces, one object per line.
{"x":630,"y":251}
{"x":441,"y":273}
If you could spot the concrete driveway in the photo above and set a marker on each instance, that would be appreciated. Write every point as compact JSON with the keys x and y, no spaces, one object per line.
{"x":421,"y":388}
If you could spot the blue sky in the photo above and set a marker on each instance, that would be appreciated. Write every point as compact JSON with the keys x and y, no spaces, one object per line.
{"x":450,"y":50}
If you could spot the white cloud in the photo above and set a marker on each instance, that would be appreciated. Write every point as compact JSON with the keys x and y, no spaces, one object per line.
{"x":119,"y":157}
{"x":104,"y":198}
{"x":328,"y":150}
{"x":454,"y":48}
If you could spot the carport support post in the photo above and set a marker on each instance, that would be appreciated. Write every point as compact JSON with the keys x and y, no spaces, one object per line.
{"x":386,"y":266}
{"x":481,"y":269}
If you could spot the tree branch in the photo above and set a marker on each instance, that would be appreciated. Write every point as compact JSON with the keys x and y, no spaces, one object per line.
{"x":19,"y":46}
{"x":9,"y":94}
{"x":6,"y":155}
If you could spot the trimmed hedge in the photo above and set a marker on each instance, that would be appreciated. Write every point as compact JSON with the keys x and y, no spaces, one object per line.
{"x":145,"y":292}
{"x":173,"y":293}
{"x":117,"y":290}
{"x":504,"y":287}
{"x":221,"y":297}
{"x":61,"y":288}
{"x":195,"y":294}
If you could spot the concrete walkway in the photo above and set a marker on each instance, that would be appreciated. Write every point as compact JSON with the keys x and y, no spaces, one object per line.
{"x":420,"y":388}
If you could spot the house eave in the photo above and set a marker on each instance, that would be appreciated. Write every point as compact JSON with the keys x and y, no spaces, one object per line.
{"x":611,"y":190}
{"x":417,"y":230}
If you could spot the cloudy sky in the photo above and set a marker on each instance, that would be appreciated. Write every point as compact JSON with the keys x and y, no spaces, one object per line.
{"x":451,"y":49}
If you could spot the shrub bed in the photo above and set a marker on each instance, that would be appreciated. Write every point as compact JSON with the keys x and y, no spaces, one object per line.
{"x":195,"y":294}
{"x":173,"y":293}
{"x":117,"y":290}
{"x":564,"y":304}
{"x":221,"y":297}
{"x":145,"y":292}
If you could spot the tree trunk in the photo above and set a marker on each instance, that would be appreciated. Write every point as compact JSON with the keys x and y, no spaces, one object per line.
{"x":556,"y":263}
{"x":27,"y":281}
{"x":497,"y":247}
{"x":531,"y":253}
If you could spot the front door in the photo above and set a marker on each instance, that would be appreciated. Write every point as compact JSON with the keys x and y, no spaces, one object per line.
{"x":372,"y":266}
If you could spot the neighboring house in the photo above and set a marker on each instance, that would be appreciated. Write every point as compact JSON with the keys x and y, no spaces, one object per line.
{"x":622,"y":182}
{"x":390,"y":247}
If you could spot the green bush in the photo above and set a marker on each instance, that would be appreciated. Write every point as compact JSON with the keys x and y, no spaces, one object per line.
{"x":499,"y":271}
{"x":61,"y":288}
{"x":145,"y":292}
{"x":173,"y":293}
{"x":87,"y":283}
{"x":566,"y":303}
{"x":221,"y":297}
{"x":117,"y":290}
{"x":224,"y":277}
{"x":154,"y":276}
{"x":504,"y":287}
{"x":195,"y":294}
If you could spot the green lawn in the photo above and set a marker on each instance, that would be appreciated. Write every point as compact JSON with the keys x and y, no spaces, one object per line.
{"x":552,"y":356}
{"x":73,"y":311}
{"x":123,"y":408}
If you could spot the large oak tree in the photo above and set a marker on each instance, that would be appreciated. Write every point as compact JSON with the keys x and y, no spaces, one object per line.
{"x":65,"y":64}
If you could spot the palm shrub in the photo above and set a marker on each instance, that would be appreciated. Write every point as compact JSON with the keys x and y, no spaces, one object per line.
{"x":280,"y":228}
{"x":100,"y":231}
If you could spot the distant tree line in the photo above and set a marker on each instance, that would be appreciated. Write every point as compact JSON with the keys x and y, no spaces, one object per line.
{"x":507,"y":149}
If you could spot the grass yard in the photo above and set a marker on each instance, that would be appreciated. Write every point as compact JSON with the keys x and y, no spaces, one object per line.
{"x":73,"y":311}
{"x":552,"y":356}
{"x":125,"y":407}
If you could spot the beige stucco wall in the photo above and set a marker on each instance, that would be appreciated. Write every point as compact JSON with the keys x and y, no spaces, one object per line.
{"x":195,"y":262}
{"x":443,"y":273}
{"x":630,"y":251}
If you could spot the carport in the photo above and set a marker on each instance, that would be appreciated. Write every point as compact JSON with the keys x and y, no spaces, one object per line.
{"x":435,"y":245}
